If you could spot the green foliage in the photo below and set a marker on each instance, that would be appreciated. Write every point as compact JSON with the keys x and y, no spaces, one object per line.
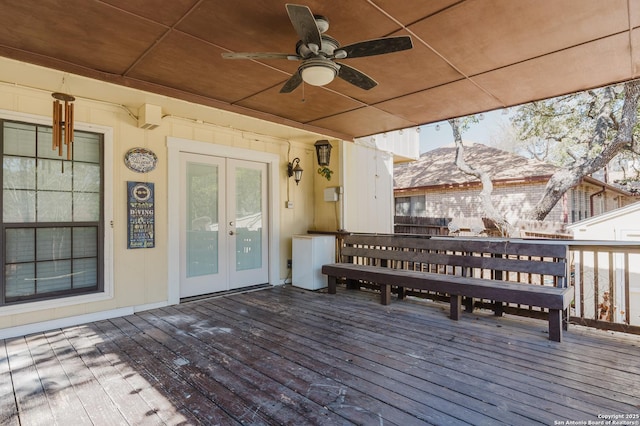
{"x":325,"y":171}
{"x":464,"y":123}
{"x":564,"y":130}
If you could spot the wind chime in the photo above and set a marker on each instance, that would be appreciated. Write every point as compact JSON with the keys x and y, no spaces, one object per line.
{"x":62,"y":120}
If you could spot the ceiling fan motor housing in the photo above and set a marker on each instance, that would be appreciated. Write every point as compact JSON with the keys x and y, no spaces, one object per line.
{"x":329,"y":45}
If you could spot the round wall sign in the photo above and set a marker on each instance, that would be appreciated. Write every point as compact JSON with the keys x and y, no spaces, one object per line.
{"x":140,"y":160}
{"x":141,"y":192}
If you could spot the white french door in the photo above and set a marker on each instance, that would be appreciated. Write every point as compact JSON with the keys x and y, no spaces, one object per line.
{"x":247,"y":231}
{"x":223,"y":217}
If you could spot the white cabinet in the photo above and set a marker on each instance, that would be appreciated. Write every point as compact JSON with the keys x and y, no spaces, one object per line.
{"x":310,"y":252}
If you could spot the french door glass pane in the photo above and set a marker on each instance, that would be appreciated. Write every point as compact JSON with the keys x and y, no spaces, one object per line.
{"x":202,"y":220}
{"x":248,"y":219}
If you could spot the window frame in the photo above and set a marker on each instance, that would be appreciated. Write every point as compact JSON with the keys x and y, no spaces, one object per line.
{"x":402,"y":202}
{"x":105,"y":290}
{"x":412,"y":201}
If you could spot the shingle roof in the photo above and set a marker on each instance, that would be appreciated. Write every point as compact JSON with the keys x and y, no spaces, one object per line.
{"x":437,"y":167}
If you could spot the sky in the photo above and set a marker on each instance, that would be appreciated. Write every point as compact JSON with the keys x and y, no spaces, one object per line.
{"x":482,"y":132}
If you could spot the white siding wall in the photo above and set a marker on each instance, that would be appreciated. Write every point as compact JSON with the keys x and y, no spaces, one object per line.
{"x":368,"y":189}
{"x":141,"y":277}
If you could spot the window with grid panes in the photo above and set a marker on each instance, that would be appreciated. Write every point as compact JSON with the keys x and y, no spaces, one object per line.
{"x":403,"y":206}
{"x":51,"y":214}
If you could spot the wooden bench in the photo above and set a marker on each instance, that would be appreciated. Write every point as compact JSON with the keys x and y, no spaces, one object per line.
{"x":488,"y":269}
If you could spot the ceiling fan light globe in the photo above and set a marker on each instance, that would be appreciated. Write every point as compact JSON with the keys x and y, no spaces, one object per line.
{"x":318,"y":75}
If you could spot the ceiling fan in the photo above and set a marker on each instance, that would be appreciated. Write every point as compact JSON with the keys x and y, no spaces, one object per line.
{"x":318,"y":52}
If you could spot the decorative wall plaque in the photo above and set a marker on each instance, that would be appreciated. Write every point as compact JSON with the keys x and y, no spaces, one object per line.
{"x":140,"y":215}
{"x":141,"y":160}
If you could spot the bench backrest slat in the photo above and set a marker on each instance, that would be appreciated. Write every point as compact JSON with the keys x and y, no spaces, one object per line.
{"x":536,"y":266}
{"x":524,"y":248}
{"x":495,"y":255}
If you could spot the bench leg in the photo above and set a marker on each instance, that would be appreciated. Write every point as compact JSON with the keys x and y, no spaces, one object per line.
{"x":468,"y":304}
{"x":400,"y":293}
{"x":555,"y":325}
{"x":331,"y":281}
{"x":456,"y":307}
{"x":565,"y":319}
{"x":385,"y":294}
{"x":498,"y":309}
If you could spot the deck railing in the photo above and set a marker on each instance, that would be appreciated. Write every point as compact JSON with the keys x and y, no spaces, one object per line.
{"x":606,"y":277}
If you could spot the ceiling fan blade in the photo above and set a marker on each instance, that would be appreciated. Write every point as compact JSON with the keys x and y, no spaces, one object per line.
{"x":355,"y":77}
{"x":292,"y":83}
{"x":258,"y":55}
{"x":304,"y":24}
{"x":378,"y":46}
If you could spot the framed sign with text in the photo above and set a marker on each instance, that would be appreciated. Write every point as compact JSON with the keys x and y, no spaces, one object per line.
{"x":140,"y":215}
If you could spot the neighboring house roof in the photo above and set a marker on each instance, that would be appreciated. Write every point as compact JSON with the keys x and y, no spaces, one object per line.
{"x":437,"y":169}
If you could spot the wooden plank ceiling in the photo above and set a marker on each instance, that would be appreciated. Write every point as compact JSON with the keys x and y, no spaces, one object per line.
{"x":468,"y":56}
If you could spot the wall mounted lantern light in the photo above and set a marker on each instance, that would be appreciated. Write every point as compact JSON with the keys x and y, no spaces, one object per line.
{"x":323,"y":152}
{"x":295,"y":170}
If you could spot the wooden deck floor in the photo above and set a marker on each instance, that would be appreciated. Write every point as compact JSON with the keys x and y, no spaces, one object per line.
{"x":290,"y":356}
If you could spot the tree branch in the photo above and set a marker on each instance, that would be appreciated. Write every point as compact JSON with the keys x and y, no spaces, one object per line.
{"x":565,"y":179}
{"x":487,"y":185}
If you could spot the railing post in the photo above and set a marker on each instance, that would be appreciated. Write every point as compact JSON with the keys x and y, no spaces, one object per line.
{"x":498,"y":307}
{"x":627,"y":290}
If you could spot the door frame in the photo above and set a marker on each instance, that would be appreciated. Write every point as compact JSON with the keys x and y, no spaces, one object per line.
{"x":177,"y":145}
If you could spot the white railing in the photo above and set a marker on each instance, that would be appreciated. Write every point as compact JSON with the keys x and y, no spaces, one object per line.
{"x":606,"y":277}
